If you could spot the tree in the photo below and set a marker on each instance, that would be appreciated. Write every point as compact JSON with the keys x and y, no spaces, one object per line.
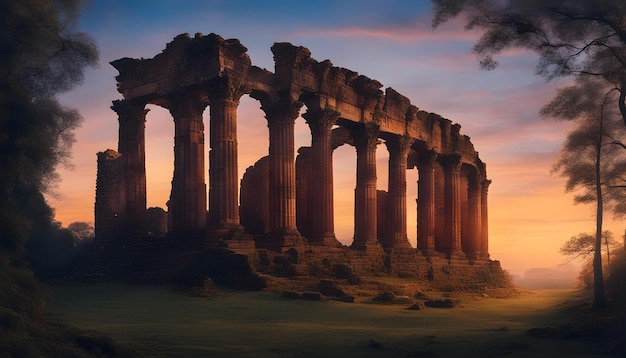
{"x":81,"y":231}
{"x":575,"y":37}
{"x":586,"y":39}
{"x":583,"y":245}
{"x":42,"y":56}
{"x":592,"y":158}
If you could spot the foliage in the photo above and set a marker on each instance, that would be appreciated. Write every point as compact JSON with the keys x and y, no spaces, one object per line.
{"x":592,"y":158}
{"x":583,"y":245}
{"x":581,"y":38}
{"x":573,"y":37}
{"x":42,"y":55}
{"x":617,"y":276}
{"x":82,"y":232}
{"x":586,"y":275}
{"x":596,"y":139}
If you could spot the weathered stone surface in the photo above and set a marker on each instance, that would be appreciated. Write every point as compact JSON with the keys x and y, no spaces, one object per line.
{"x":441,"y":303}
{"x":225,"y":267}
{"x":254,"y":209}
{"x":386,"y":297}
{"x":330,"y":288}
{"x":291,"y":294}
{"x":346,"y":299}
{"x":312,"y":296}
{"x":417,"y":306}
{"x":110,"y":208}
{"x":343,"y":270}
{"x":391,"y":297}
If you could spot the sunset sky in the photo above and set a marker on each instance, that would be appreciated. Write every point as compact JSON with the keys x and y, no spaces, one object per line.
{"x":530,"y":215}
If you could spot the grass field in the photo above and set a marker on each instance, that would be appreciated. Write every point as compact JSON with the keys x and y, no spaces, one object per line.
{"x":159,"y":322}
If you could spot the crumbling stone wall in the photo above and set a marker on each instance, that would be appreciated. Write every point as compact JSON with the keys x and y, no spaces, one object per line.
{"x":110,"y":208}
{"x":254,"y":208}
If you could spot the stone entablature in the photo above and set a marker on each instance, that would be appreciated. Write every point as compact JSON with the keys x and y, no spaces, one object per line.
{"x":341,"y":107}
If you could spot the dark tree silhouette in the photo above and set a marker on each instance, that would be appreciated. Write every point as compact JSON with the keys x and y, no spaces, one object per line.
{"x":41,"y":55}
{"x":81,"y":231}
{"x":583,"y":245}
{"x":592,"y":158}
{"x":574,"y":37}
{"x":586,"y":39}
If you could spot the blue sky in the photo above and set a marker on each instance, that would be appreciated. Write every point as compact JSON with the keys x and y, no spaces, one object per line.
{"x":392,"y":42}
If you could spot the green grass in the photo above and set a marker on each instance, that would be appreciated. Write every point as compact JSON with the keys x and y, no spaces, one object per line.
{"x":158,"y":322}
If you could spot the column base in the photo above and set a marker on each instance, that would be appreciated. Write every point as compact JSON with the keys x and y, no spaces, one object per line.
{"x":282,"y":240}
{"x":369,"y":246}
{"x":325,"y":240}
{"x":479,"y":256}
{"x":429,"y":252}
{"x":232,"y":237}
{"x":401,"y":244}
{"x":456,"y":255}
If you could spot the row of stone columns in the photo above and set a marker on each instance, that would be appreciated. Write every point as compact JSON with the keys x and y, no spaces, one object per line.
{"x":131,"y":143}
{"x":398,"y":148}
{"x":475,"y":240}
{"x":223,"y":158}
{"x":281,"y":118}
{"x":320,"y":207}
{"x":187,"y":205}
{"x":365,"y":208}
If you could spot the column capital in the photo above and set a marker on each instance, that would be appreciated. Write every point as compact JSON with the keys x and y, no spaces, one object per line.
{"x":128,"y":110}
{"x":321,"y":120}
{"x":365,"y":136}
{"x":187,"y":103}
{"x":485,"y":184}
{"x":283,"y":110}
{"x":475,"y":181}
{"x":450,"y":162}
{"x":399,"y":145}
{"x":227,"y":88}
{"x":426,"y":158}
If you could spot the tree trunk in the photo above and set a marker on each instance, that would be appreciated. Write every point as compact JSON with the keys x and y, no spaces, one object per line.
{"x":622,"y":102}
{"x":608,"y":252}
{"x":598,"y":280}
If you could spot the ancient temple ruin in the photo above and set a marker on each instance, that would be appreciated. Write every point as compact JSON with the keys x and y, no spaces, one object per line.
{"x":283,"y":203}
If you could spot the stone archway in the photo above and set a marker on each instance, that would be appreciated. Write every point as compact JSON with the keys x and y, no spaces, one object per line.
{"x":210,"y":71}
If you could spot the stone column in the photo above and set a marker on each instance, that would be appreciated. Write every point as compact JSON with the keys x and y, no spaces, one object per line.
{"x":484,"y":226}
{"x":365,"y":218}
{"x":282,"y":172}
{"x":426,"y":203}
{"x":451,"y":164}
{"x":187,"y":205}
{"x":223,"y":174}
{"x":132,"y":146}
{"x":322,"y":221}
{"x":303,"y":179}
{"x":472,"y":246}
{"x":398,"y":148}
